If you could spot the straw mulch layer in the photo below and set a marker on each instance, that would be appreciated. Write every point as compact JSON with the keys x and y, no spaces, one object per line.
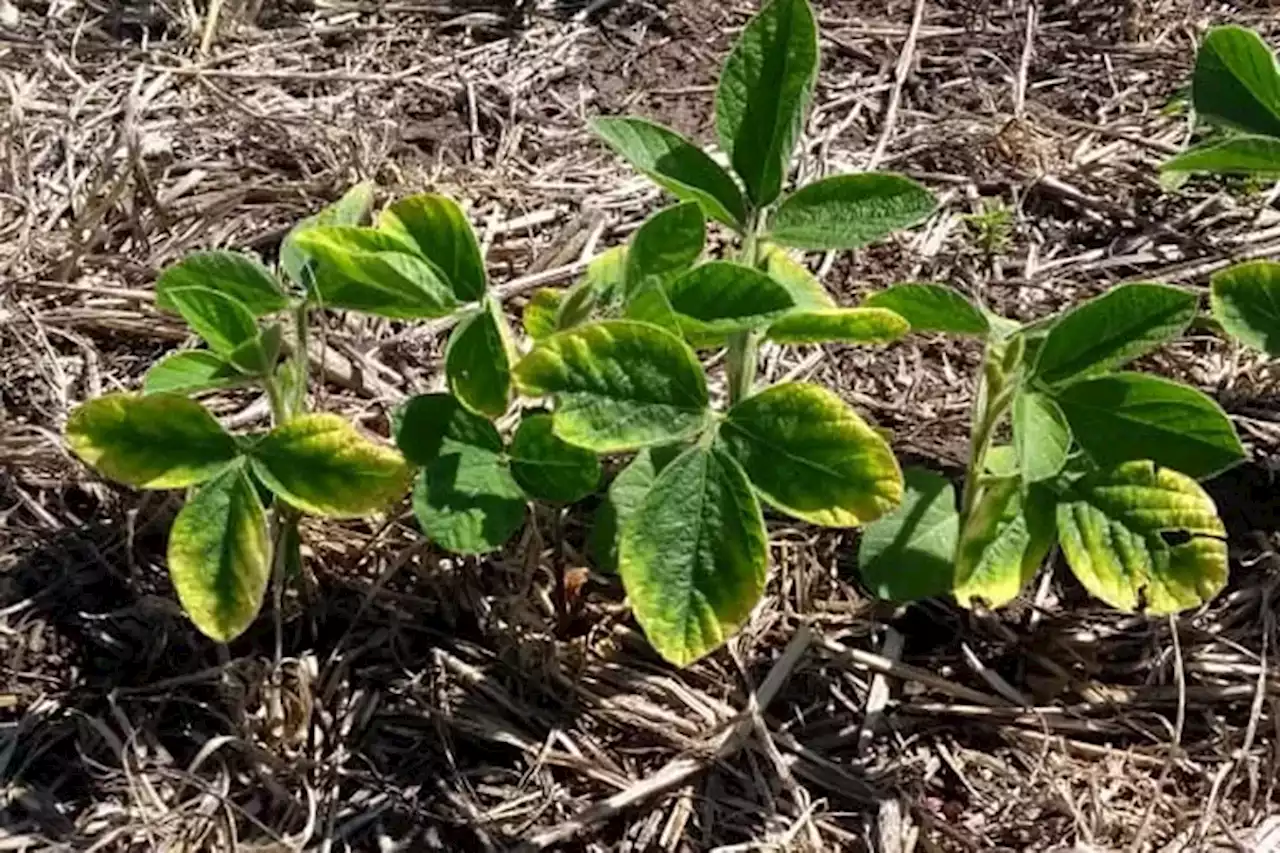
{"x":422,"y":702}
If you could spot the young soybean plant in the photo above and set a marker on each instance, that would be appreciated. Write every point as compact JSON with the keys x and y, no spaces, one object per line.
{"x":618,"y":354}
{"x":1236,"y":86}
{"x":1102,"y":461}
{"x":246,"y":492}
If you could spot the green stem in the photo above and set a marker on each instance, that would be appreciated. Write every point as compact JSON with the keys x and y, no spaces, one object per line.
{"x":301,"y":356}
{"x":744,"y":346}
{"x":991,"y":403}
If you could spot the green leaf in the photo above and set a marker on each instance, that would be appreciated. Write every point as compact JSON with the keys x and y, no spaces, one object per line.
{"x":993,"y":566}
{"x":1041,"y":436}
{"x":477,"y":362}
{"x":1002,"y":460}
{"x":189,"y":371}
{"x":364,"y":269}
{"x":810,"y":455}
{"x":651,"y":304}
{"x":1106,"y":332}
{"x":157,"y":441}
{"x":539,"y":317}
{"x":465,"y":498}
{"x":1127,"y":416}
{"x":932,"y":308}
{"x":549,"y":469}
{"x":352,"y":209}
{"x":764,"y":93}
{"x":321,"y":464}
{"x":675,"y":164}
{"x":603,"y":285}
{"x":849,"y":211}
{"x":222,"y":321}
{"x":426,"y":423}
{"x":258,"y":355}
{"x":694,"y":555}
{"x":236,"y":276}
{"x":839,"y":325}
{"x":1236,"y":82}
{"x":1144,"y":538}
{"x":1238,"y":155}
{"x":719,"y":298}
{"x":439,"y":230}
{"x":1246,"y":301}
{"x":805,"y":289}
{"x":667,"y":244}
{"x":220,"y":554}
{"x":618,"y":385}
{"x":909,"y":553}
{"x":625,"y":495}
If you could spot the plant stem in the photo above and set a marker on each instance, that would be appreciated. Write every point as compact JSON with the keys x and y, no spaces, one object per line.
{"x":557,"y":569}
{"x":992,"y":400}
{"x":744,"y":346}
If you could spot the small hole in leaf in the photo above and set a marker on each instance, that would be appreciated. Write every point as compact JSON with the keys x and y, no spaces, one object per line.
{"x":1174,"y":538}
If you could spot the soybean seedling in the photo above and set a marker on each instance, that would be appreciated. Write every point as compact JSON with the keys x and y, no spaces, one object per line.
{"x":616,"y":361}
{"x":246,"y":492}
{"x":1102,"y":461}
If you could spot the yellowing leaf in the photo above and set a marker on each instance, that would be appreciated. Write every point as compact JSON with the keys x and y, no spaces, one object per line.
{"x":618,"y":385}
{"x":157,"y":441}
{"x":220,"y":554}
{"x":1142,"y":538}
{"x":839,"y":325}
{"x":322,"y":465}
{"x":812,"y":456}
{"x":694,"y":555}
